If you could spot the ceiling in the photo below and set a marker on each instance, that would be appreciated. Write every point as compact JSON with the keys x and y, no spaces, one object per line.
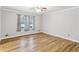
{"x":30,"y":9}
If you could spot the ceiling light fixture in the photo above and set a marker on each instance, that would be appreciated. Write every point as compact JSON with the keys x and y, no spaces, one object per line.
{"x":40,"y":9}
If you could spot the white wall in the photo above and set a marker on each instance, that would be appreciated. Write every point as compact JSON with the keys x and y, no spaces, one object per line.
{"x":9,"y":24}
{"x":63,"y":23}
{"x":0,"y":22}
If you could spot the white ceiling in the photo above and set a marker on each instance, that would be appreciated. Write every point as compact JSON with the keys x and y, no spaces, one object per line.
{"x":29,"y":9}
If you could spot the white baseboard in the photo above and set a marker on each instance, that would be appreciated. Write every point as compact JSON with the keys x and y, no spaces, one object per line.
{"x":17,"y":36}
{"x":62,"y":37}
{"x":43,"y":32}
{"x":12,"y":36}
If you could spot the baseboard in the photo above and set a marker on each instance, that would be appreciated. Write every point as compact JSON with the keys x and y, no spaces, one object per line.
{"x":45,"y":33}
{"x":62,"y":37}
{"x":18,"y":36}
{"x":0,"y":39}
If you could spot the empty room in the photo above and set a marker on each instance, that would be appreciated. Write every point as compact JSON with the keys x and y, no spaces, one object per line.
{"x":39,"y":29}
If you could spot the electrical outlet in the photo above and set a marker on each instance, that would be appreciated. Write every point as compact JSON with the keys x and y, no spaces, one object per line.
{"x":6,"y":35}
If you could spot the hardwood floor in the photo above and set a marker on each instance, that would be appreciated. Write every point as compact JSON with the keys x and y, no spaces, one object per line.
{"x":38,"y":43}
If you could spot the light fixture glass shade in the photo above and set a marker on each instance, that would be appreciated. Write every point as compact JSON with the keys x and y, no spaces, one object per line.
{"x":39,"y":9}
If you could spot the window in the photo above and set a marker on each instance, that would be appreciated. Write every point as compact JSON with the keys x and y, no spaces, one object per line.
{"x":22,"y":22}
{"x":26,"y":22}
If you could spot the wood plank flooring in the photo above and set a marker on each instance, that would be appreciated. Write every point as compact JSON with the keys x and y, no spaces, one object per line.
{"x":39,"y":42}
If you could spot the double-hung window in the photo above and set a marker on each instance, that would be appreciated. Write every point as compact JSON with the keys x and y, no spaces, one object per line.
{"x":25,"y":22}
